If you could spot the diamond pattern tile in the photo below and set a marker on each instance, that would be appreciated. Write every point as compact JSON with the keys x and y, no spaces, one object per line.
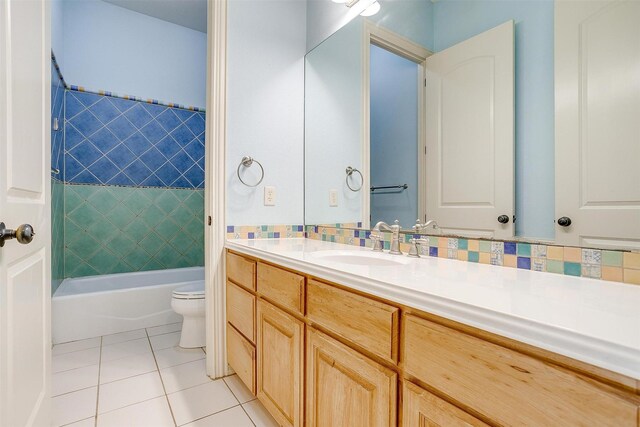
{"x":57,"y":187}
{"x":109,"y":229}
{"x":131,"y":143}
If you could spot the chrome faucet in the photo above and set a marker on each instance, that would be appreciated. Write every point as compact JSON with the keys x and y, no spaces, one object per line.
{"x":420,"y":228}
{"x":376,"y":236}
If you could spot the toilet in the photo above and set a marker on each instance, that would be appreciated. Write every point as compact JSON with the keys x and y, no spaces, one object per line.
{"x":188,"y":301}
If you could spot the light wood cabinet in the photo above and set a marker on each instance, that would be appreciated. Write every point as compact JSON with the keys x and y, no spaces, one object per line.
{"x":327,"y":356}
{"x":368,"y":323}
{"x":280,"y":364}
{"x":241,"y":310}
{"x":241,"y":271}
{"x":345,"y":388}
{"x":281,"y":287}
{"x":423,"y":409}
{"x":506,"y":386}
{"x":241,"y":356}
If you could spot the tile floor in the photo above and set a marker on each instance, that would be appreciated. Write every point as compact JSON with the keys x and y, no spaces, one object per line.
{"x":143,"y":379}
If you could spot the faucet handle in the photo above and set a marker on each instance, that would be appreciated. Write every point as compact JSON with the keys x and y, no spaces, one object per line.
{"x":418,"y":227}
{"x":414,"y":252}
{"x":377,"y":241}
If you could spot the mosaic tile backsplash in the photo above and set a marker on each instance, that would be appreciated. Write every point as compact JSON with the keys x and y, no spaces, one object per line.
{"x":116,"y":141}
{"x":264,"y":231}
{"x":112,"y":229}
{"x":618,"y":266}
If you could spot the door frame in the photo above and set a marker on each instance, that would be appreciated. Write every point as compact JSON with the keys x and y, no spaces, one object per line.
{"x":412,"y":51}
{"x":214,"y":209}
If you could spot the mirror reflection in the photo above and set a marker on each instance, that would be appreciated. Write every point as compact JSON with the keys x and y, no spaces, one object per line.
{"x":447,"y":111}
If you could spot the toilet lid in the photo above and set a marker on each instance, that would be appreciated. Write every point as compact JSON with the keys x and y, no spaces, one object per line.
{"x":194,"y":290}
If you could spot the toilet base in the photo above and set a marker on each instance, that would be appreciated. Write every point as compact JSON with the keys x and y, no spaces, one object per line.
{"x":193,"y":332}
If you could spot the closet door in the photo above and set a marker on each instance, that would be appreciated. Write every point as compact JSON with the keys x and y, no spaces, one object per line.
{"x":597,"y":85}
{"x":470,"y":135}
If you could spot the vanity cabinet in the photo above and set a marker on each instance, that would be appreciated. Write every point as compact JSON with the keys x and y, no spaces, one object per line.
{"x":345,"y":388}
{"x":423,"y":409}
{"x":326,"y":355}
{"x":280,"y":364}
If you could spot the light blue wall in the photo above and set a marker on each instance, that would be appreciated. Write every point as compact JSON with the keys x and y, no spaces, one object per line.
{"x":410,"y":18}
{"x":333,"y":126}
{"x":394,"y":137}
{"x":458,"y":20}
{"x":57,"y":25}
{"x":110,"y":48}
{"x":265,"y":108}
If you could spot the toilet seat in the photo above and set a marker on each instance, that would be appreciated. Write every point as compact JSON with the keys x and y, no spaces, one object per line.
{"x":193,"y":290}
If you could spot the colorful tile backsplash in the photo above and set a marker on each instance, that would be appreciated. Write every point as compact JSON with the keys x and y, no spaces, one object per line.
{"x":264,"y":231}
{"x":116,"y":141}
{"x":112,"y":229}
{"x":619,"y":266}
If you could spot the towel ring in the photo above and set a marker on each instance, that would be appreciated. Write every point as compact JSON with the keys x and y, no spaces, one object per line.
{"x":247,"y":162}
{"x":350,"y":172}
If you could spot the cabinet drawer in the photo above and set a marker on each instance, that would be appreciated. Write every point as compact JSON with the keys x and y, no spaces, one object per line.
{"x":241,"y":308}
{"x":506,"y":386}
{"x":368,"y":323}
{"x":241,"y":356}
{"x":421,"y":408}
{"x":281,"y":287}
{"x":241,"y":270}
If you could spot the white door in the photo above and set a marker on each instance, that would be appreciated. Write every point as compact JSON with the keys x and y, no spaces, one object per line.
{"x":470,"y":135}
{"x":597,"y":85}
{"x":25,"y":284}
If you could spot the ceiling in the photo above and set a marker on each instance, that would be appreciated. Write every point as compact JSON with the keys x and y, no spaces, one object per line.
{"x":187,"y":13}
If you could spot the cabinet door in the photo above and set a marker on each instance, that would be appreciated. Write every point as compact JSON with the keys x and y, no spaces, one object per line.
{"x":423,"y":409}
{"x":280,"y":367}
{"x":345,"y":388}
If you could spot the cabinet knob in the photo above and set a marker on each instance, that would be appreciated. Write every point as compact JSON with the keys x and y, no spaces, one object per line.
{"x":503,"y":219}
{"x":564,"y":221}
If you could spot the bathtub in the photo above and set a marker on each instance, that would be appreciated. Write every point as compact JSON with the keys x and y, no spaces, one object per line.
{"x":88,"y":307}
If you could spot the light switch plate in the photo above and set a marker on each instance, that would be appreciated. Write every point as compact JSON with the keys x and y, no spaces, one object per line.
{"x":269,"y":196}
{"x":333,"y":198}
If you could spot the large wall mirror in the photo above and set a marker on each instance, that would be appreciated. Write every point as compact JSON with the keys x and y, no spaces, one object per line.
{"x":446,"y":111}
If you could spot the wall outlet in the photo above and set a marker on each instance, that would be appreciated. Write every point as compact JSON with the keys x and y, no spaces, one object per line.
{"x":333,"y":198}
{"x":269,"y":196}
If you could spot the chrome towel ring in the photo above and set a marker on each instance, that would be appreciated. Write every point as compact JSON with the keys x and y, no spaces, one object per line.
{"x":247,"y":162}
{"x":350,"y":172}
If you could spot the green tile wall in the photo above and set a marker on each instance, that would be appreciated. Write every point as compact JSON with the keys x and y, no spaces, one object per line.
{"x":109,"y":229}
{"x":57,"y":234}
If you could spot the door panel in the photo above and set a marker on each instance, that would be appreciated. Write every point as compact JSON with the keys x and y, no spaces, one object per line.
{"x":597,"y":58}
{"x":25,"y":276}
{"x":280,"y":367}
{"x":345,"y":388}
{"x":470,"y":135}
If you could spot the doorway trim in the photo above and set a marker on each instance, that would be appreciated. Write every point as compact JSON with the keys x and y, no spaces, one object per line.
{"x":412,"y":51}
{"x":214,"y":211}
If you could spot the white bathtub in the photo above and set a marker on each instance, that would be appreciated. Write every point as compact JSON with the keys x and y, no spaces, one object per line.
{"x":89,"y":307}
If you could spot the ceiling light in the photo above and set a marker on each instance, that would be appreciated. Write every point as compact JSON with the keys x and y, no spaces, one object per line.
{"x":372,"y":9}
{"x":339,"y":1}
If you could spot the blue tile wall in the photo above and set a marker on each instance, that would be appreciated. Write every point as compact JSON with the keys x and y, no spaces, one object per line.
{"x":57,"y":113}
{"x":123,"y":142}
{"x":57,"y":186}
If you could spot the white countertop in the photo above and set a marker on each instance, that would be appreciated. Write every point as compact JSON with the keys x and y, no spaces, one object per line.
{"x":594,"y":321}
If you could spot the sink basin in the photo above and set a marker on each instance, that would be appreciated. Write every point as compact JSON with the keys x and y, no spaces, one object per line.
{"x":374,"y":259}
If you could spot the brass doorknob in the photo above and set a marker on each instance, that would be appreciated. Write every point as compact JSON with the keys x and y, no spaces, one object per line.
{"x":23,"y":234}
